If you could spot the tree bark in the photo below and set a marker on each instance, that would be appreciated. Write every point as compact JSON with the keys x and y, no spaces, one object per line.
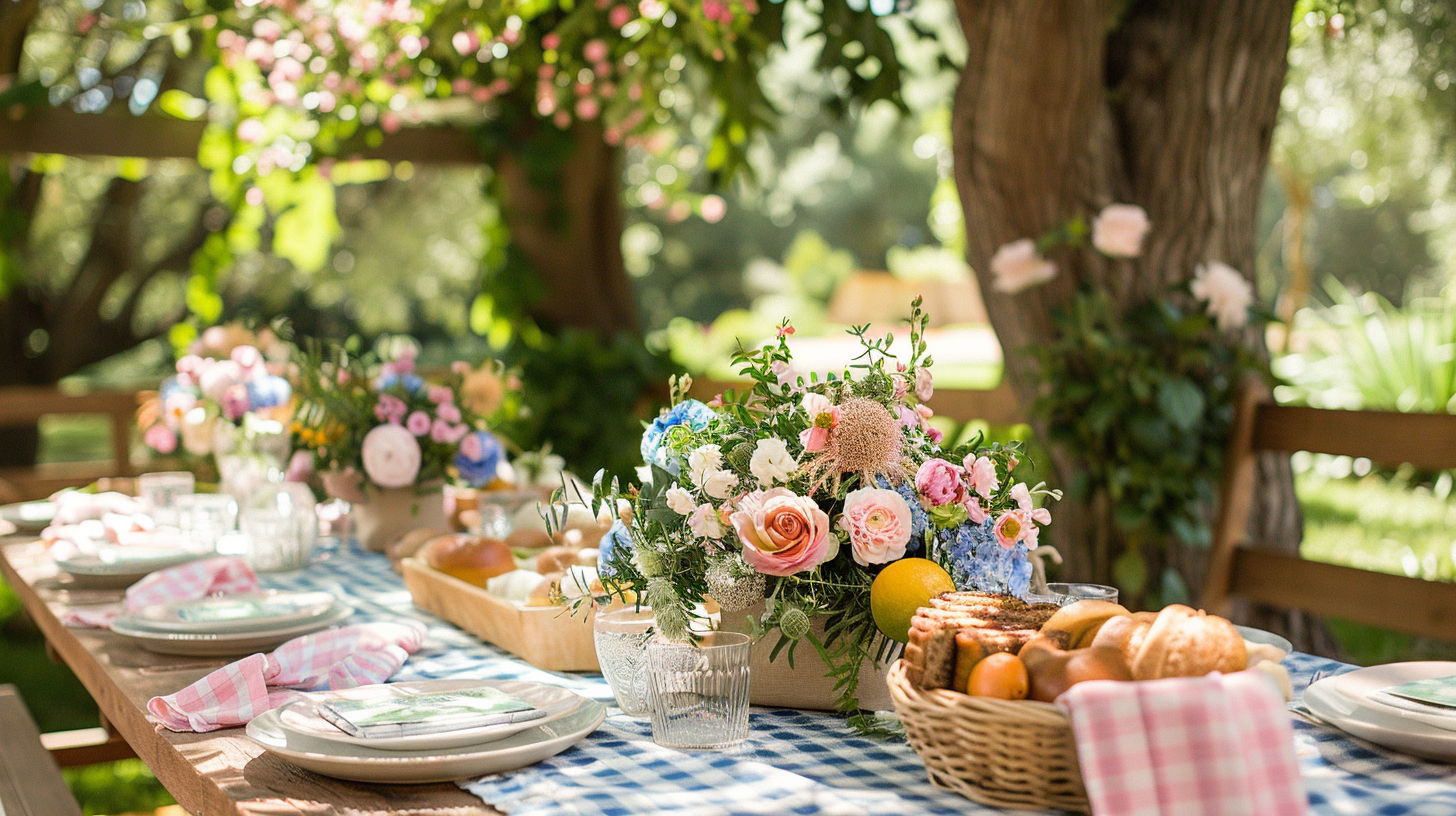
{"x":570,"y":230}
{"x":1172,"y":110}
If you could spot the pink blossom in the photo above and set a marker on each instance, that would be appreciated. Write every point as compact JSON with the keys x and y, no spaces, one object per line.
{"x":1022,"y":496}
{"x":247,"y":358}
{"x":924,"y":384}
{"x":595,"y":50}
{"x":783,"y":533}
{"x":189,"y":364}
{"x":902,"y":386}
{"x":974,"y":511}
{"x":878,"y":524}
{"x":981,"y":475}
{"x":470,"y":448}
{"x":587,"y":109}
{"x":160,"y":439}
{"x":391,"y":456}
{"x":907,"y":416}
{"x":785,"y":330}
{"x":551,"y":41}
{"x":1012,"y":528}
{"x":1018,"y":265}
{"x":705,"y":522}
{"x":446,"y":433}
{"x":418,"y":423}
{"x":619,"y":16}
{"x":1119,"y":230}
{"x":939,"y":483}
{"x":448,"y":412}
{"x":440,"y":394}
{"x":300,"y":467}
{"x":390,"y":409}
{"x":716,"y":401}
{"x":235,"y":402}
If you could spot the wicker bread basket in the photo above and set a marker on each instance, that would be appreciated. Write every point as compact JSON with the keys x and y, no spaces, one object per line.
{"x":1002,"y":753}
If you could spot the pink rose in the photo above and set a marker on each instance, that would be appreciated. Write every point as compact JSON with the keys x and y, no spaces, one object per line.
{"x":418,"y":423}
{"x":924,"y":384}
{"x":391,"y":456}
{"x":1119,"y":230}
{"x":161,"y":439}
{"x":782,"y":533}
{"x":981,"y":475}
{"x":1018,"y":265}
{"x":939,"y":483}
{"x":448,"y":412}
{"x":878,"y":523}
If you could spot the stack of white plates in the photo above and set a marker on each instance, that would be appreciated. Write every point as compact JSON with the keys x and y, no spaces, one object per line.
{"x":29,"y":517}
{"x":1355,"y":703}
{"x":121,"y":566}
{"x":298,"y":734}
{"x":231,"y":624}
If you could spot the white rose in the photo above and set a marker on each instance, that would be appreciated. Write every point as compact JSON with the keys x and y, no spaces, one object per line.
{"x":1017,"y":266}
{"x":701,"y":461}
{"x":771,"y":462}
{"x":679,"y":500}
{"x":719,"y":483}
{"x":1119,"y":230}
{"x":705,"y":523}
{"x":1227,"y":292}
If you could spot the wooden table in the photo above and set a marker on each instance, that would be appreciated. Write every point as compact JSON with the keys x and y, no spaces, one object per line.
{"x":220,"y":772}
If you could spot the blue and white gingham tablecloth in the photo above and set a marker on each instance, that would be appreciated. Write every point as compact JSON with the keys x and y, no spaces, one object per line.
{"x":794,"y":762}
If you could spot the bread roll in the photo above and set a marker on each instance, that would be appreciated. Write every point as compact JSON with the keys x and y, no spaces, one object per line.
{"x":1176,"y":642}
{"x":545,"y":593}
{"x":409,"y":544}
{"x":472,"y":559}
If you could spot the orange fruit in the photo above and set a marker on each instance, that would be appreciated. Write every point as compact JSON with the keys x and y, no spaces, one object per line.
{"x":902,"y":588}
{"x":1001,"y":675}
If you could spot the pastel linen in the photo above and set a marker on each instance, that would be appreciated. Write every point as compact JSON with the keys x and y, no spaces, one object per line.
{"x":187,"y":582}
{"x":358,"y":655}
{"x":1219,"y":745}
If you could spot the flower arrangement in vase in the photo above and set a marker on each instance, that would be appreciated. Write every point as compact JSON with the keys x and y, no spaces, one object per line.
{"x":386,"y":440}
{"x":229,"y":400}
{"x":795,"y":493}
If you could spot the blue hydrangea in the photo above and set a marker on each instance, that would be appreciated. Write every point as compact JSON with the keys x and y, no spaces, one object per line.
{"x":979,"y":563}
{"x":170,"y":386}
{"x":919,"y":521}
{"x":479,"y":472}
{"x":411,"y":382}
{"x":616,"y":537}
{"x":692,"y":413}
{"x":268,"y":391}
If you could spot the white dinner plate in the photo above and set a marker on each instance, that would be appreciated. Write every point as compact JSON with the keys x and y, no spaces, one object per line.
{"x":362,"y":764}
{"x":299,"y":718}
{"x":122,"y":566}
{"x":244,"y":612}
{"x":224,"y":643}
{"x":1333,"y":703}
{"x":1253,"y":635}
{"x":1364,"y":687}
{"x":29,"y":517}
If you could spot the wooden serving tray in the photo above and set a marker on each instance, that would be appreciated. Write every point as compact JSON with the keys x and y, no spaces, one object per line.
{"x":547,"y":637}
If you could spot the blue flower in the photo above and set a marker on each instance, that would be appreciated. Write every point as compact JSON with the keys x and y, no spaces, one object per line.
{"x":411,"y":382}
{"x":170,"y":386}
{"x":919,"y":520}
{"x":268,"y":391}
{"x":692,"y":413}
{"x":479,"y":458}
{"x":979,"y":563}
{"x":617,"y":536}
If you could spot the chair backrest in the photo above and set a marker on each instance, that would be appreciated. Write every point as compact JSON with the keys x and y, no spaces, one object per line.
{"x":25,"y":405}
{"x":1426,"y":441}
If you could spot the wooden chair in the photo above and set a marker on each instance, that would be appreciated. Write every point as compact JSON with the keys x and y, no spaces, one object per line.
{"x":1426,"y":441}
{"x":30,"y":781}
{"x":25,"y":405}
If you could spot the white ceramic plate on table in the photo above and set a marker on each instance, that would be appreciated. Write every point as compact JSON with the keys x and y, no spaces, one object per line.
{"x":1341,"y":701}
{"x":362,"y":764}
{"x":298,"y":717}
{"x":245,"y":612}
{"x":222,"y":644}
{"x":123,"y":566}
{"x":29,"y":517}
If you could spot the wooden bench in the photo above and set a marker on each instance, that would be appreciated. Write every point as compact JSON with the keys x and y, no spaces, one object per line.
{"x":30,"y":780}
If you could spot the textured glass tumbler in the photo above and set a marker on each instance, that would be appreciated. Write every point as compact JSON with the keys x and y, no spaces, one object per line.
{"x":621,"y":638}
{"x":1083,"y":592}
{"x":699,"y":694}
{"x":159,"y":492}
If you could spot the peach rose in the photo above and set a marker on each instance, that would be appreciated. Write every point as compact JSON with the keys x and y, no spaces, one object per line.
{"x":783,"y":533}
{"x":878,"y":523}
{"x":1018,"y":265}
{"x":1119,"y":229}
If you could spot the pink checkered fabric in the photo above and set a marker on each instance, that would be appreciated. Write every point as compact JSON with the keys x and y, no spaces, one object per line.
{"x":1219,"y":745}
{"x":341,"y":658}
{"x":198,"y":579}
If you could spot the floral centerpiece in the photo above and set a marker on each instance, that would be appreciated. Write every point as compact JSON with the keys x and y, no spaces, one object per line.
{"x":797,"y":492}
{"x":386,"y":440}
{"x":229,"y":400}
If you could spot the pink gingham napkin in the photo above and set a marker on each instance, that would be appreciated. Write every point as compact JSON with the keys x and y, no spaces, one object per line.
{"x":187,"y":582}
{"x":1219,"y":745}
{"x":357,"y":655}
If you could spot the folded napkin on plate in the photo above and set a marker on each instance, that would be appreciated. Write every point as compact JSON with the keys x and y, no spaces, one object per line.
{"x":187,"y":582}
{"x":342,"y":658}
{"x":1219,"y":745}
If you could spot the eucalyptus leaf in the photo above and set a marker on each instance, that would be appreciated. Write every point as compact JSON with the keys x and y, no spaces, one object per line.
{"x":1181,"y":402}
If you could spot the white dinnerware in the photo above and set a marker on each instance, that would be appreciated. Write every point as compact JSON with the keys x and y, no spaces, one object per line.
{"x":1350,"y":702}
{"x":222,"y":644}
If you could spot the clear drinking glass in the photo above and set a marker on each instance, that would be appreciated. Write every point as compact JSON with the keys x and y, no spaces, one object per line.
{"x":699,"y":693}
{"x":207,"y":516}
{"x":1082,"y":592}
{"x":621,"y":637}
{"x":281,"y":523}
{"x":159,"y":492}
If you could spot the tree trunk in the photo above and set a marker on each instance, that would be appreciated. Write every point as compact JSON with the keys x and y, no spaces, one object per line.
{"x":569,"y":228}
{"x":1172,"y":110}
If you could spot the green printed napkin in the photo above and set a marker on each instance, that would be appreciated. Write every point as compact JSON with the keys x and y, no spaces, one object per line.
{"x":404,"y":715}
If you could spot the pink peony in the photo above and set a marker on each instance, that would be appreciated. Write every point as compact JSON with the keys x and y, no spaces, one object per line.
{"x":783,"y":533}
{"x":1119,"y":230}
{"x":391,"y":456}
{"x":939,"y":483}
{"x":1018,"y":265}
{"x":448,"y":412}
{"x":878,"y":523}
{"x":981,"y":475}
{"x":161,"y":439}
{"x":924,"y":384}
{"x":418,"y":423}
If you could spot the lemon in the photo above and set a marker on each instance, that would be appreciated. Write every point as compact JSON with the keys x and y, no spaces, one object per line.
{"x":902,"y":588}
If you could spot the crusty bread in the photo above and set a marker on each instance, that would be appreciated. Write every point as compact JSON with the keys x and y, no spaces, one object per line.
{"x":994,"y":623}
{"x":1176,"y":642}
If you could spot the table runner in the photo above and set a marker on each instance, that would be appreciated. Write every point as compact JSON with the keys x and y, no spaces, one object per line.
{"x":794,"y":762}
